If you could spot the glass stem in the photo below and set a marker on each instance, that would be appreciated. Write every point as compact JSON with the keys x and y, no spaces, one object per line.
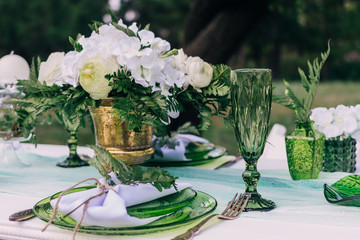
{"x":251,"y":176}
{"x":73,"y":144}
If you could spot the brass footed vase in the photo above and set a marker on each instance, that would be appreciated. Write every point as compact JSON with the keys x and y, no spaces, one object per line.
{"x":113,"y":134}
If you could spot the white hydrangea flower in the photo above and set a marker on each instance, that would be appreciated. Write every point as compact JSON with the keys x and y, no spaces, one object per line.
{"x":142,"y":55}
{"x":159,"y":45}
{"x":321,"y":117}
{"x":179,"y":60}
{"x":331,"y":131}
{"x":69,"y":70}
{"x":344,"y":119}
{"x":356,"y":111}
{"x":133,"y":27}
{"x":334,"y":122}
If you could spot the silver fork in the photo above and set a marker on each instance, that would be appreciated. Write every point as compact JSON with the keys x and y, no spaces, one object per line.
{"x":231,"y":212}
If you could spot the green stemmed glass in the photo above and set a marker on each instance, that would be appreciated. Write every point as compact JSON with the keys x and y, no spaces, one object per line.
{"x":251,"y":97}
{"x":72,"y":126}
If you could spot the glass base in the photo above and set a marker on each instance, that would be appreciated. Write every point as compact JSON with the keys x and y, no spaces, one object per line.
{"x":9,"y":157}
{"x":72,"y":162}
{"x":257,"y":203}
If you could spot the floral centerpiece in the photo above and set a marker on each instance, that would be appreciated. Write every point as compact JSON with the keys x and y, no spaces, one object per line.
{"x":341,"y":126}
{"x":146,"y":80}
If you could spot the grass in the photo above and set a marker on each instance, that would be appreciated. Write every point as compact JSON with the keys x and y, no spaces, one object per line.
{"x":330,"y":94}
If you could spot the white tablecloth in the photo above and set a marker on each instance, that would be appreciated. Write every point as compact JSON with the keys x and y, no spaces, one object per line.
{"x":301,"y":213}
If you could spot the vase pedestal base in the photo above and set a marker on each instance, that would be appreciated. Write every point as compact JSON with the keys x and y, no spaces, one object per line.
{"x":257,"y":203}
{"x":72,"y":162}
{"x":131,"y":157}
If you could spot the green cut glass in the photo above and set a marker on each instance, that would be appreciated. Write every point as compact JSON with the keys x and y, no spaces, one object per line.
{"x":251,"y":96}
{"x":344,"y":192}
{"x":305,"y":151}
{"x":339,"y":155}
{"x":73,"y":160}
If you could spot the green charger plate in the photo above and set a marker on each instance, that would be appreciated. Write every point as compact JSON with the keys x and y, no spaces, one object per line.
{"x":344,"y":192}
{"x":180,"y":208}
{"x":195,"y":158}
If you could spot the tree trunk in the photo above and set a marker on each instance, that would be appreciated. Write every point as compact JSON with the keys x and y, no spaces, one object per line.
{"x":216,"y":29}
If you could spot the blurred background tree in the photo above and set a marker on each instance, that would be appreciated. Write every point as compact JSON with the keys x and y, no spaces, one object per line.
{"x":276,"y":34}
{"x":37,"y":27}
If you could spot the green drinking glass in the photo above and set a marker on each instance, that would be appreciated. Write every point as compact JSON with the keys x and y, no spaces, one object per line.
{"x":72,"y":126}
{"x":251,"y":97}
{"x":73,"y":160}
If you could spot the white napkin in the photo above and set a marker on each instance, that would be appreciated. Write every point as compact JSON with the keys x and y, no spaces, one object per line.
{"x":179,"y":152}
{"x":109,"y":210}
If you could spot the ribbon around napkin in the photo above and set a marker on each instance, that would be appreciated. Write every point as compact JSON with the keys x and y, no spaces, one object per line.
{"x":109,"y":209}
{"x":178,"y":153}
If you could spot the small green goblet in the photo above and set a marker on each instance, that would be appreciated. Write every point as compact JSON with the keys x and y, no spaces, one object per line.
{"x":72,"y":126}
{"x":251,"y":97}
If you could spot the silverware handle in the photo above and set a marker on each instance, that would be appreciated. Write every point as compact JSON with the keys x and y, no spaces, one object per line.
{"x":189,"y":234}
{"x":22,"y":215}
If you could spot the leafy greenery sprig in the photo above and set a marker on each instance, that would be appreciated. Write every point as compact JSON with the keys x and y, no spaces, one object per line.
{"x":135,"y":104}
{"x":8,"y":123}
{"x":302,"y":105}
{"x":213,"y":100}
{"x":105,"y":163}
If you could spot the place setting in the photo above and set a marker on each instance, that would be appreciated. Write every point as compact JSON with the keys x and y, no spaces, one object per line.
{"x":142,"y":178}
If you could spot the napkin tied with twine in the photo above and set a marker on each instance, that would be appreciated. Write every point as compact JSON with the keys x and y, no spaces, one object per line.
{"x":109,"y":209}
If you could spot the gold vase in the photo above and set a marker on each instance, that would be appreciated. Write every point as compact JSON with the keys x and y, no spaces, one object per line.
{"x":113,"y":134}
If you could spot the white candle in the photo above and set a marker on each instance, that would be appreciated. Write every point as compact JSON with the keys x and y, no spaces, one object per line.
{"x":12,"y":68}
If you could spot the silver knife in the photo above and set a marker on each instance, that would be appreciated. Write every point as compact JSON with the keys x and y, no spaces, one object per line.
{"x":231,"y":162}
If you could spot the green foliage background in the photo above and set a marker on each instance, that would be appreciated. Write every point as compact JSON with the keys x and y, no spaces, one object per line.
{"x":290,"y":33}
{"x":38,"y":27}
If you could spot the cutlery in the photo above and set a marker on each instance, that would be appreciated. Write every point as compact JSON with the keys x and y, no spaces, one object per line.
{"x":231,"y":162}
{"x":231,"y":212}
{"x":22,"y":215}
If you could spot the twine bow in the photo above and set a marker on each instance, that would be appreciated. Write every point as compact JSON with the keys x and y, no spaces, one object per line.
{"x":104,"y":189}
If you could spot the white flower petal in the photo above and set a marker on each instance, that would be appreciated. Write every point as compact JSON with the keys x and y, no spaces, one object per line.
{"x":332,"y":131}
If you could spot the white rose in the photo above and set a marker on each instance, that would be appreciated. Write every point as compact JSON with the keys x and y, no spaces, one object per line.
{"x":199,"y":72}
{"x":92,"y":76}
{"x":51,"y":69}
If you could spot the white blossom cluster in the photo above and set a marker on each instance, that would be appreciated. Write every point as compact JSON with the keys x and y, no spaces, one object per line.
{"x":334,"y":122}
{"x":144,"y":55}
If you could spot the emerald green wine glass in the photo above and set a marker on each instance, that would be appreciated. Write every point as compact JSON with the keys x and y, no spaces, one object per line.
{"x":251,"y":97}
{"x":72,"y":126}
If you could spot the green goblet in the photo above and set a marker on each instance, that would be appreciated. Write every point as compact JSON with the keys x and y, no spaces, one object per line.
{"x":251,"y":97}
{"x":73,"y":160}
{"x":72,"y":126}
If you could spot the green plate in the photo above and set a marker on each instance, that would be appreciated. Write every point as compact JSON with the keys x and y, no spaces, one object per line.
{"x":195,"y":160}
{"x":344,"y":192}
{"x":198,"y":150}
{"x":181,"y":208}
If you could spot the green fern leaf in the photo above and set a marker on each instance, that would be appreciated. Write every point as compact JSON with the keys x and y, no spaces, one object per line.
{"x":302,"y":105}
